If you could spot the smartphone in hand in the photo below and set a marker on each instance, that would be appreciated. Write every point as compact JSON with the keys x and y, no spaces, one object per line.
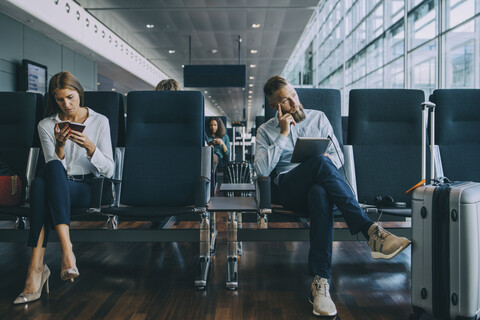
{"x":73,"y":125}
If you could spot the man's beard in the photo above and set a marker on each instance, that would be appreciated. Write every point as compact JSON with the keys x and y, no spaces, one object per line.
{"x":299,"y":116}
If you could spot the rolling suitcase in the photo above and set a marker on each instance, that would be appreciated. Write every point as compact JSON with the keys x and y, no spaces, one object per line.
{"x":445,"y":249}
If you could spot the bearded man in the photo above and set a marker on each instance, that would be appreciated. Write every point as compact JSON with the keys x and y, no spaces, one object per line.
{"x":314,"y":186}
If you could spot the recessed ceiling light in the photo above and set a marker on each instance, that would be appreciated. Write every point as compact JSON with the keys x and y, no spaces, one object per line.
{"x":214,"y":50}
{"x":150,"y":26}
{"x":250,"y":85}
{"x":253,"y":51}
{"x":249,"y":97}
{"x":113,"y":89}
{"x":253,"y":65}
{"x":256,"y":25}
{"x":171,"y":51}
{"x":250,"y":92}
{"x":251,"y":78}
{"x":205,"y":91}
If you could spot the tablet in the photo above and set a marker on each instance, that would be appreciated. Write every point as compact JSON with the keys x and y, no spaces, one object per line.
{"x":307,"y":147}
{"x":75,"y":126}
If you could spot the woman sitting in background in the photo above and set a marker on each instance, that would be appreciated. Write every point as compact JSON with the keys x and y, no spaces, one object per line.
{"x":216,"y":136}
{"x":72,"y":159}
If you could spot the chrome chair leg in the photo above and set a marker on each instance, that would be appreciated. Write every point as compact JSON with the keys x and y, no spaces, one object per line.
{"x":262,"y":221}
{"x":213,"y":232}
{"x":112,"y":222}
{"x":204,"y":257}
{"x":232,"y":252}
{"x":239,"y":226}
{"x":21,"y":223}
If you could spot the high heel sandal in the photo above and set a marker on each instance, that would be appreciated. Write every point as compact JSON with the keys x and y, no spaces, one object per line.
{"x":69,"y":274}
{"x":29,"y":297}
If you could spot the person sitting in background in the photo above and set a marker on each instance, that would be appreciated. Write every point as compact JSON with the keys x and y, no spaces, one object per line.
{"x":72,"y":159}
{"x":168,"y":85}
{"x":219,"y":140}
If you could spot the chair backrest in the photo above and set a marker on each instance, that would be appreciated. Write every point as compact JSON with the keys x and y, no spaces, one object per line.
{"x":259,"y":120}
{"x":326,"y":100}
{"x":457,"y":132}
{"x":110,"y":104}
{"x":18,"y":120}
{"x":385,"y":130}
{"x":163,"y":144}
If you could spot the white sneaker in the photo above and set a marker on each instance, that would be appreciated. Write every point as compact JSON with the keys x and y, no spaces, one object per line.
{"x":320,"y":298}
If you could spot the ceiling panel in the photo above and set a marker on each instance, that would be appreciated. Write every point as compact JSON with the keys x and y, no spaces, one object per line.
{"x":211,"y":24}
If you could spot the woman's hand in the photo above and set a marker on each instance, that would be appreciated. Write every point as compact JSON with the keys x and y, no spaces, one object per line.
{"x":221,"y":143}
{"x":61,"y":137}
{"x":82,"y":140}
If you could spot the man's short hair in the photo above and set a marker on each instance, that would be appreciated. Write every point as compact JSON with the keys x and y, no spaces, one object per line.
{"x":274,"y":84}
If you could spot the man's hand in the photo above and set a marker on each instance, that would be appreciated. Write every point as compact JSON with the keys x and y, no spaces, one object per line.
{"x":285,"y":121}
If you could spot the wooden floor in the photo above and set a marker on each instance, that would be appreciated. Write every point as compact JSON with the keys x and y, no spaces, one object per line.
{"x":156,"y":281}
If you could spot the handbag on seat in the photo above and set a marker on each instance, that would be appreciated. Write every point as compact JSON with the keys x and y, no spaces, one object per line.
{"x":10,"y":187}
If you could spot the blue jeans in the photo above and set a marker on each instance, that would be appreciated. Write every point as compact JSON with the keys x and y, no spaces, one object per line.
{"x":51,"y":197}
{"x":315,"y":186}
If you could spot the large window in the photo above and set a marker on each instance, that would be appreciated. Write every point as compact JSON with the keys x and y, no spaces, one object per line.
{"x":395,"y":42}
{"x":419,"y":44}
{"x":459,"y":11}
{"x":394,"y":74}
{"x":422,"y":24}
{"x":460,"y":57}
{"x":423,"y":66}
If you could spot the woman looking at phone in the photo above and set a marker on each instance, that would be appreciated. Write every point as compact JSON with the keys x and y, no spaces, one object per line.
{"x":72,"y":159}
{"x":219,"y":140}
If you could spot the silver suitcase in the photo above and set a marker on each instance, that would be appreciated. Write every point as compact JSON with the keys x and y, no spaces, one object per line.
{"x":445,"y":251}
{"x":445,"y":244}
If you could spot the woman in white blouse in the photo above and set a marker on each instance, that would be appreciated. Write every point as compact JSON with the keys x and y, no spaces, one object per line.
{"x":72,"y":159}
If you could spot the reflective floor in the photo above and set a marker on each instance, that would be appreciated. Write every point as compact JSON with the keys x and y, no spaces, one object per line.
{"x":156,"y":281}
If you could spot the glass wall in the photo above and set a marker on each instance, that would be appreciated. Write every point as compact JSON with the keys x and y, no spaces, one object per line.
{"x":416,"y":44}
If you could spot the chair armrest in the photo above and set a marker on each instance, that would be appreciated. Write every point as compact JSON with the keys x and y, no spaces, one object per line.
{"x":30,"y":170}
{"x":349,"y":167}
{"x":114,"y":181}
{"x":96,"y":194}
{"x":202,"y":192}
{"x":263,"y":194}
{"x":207,"y":158}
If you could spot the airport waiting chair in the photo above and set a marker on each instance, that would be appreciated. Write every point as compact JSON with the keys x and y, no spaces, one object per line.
{"x":19,"y":144}
{"x":326,"y":100}
{"x":259,"y":120}
{"x":266,"y":199}
{"x":166,"y":167}
{"x":385,"y":134}
{"x":111,"y":105}
{"x":457,"y":127}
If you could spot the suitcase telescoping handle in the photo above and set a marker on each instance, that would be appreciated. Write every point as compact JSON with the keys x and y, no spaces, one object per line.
{"x":426,"y":107}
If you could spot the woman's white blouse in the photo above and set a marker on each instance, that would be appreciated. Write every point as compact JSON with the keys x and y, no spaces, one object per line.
{"x":76,"y":161}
